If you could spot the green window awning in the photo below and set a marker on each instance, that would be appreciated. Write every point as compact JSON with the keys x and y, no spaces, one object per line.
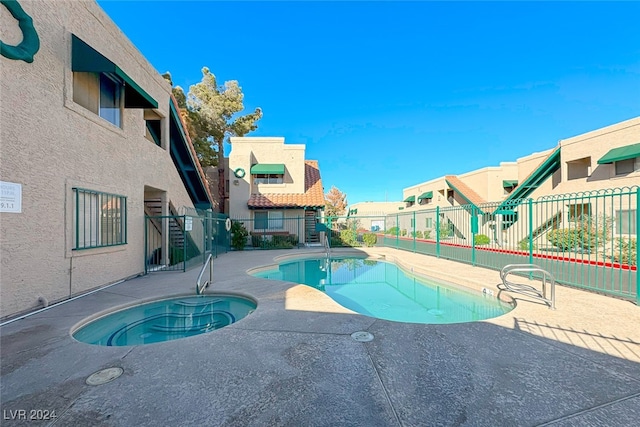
{"x":267,"y":169}
{"x":620,"y":153}
{"x":509,"y":183}
{"x":86,"y":59}
{"x":410,"y":199}
{"x":533,"y":181}
{"x":426,"y":195}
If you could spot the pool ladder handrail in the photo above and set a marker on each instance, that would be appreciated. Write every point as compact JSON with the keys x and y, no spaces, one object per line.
{"x":202,"y":286}
{"x":529,"y":290}
{"x":327,"y":246}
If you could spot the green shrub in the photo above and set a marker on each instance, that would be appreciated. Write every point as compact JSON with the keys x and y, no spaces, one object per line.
{"x":625,"y":251}
{"x":257,"y":241}
{"x":403,"y":232}
{"x":524,"y":244}
{"x":481,"y":239}
{"x":419,"y":234}
{"x":446,"y":230}
{"x":369,"y":239}
{"x":393,"y":231}
{"x":349,"y":238}
{"x":239,"y":235}
{"x":572,"y":238}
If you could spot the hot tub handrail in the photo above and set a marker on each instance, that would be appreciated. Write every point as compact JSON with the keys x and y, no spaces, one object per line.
{"x":202,"y":286}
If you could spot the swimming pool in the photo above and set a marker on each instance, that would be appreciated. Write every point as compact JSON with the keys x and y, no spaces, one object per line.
{"x":164,"y":320}
{"x":383,"y":290}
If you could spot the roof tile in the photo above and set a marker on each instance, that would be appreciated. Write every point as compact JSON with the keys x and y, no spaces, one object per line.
{"x":312,"y":197}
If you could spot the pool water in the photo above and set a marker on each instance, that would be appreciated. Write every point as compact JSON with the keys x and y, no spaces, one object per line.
{"x":165,"y":320}
{"x":384,"y":291}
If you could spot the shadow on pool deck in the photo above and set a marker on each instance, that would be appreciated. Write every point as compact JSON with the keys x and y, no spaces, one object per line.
{"x":299,"y":367}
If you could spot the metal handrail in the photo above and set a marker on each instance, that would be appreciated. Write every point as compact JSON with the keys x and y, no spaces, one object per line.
{"x":202,"y":286}
{"x":528,"y":290}
{"x":327,"y":246}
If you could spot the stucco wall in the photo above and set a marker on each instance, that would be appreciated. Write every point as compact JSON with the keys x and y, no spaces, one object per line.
{"x":248,"y":151}
{"x":49,"y":145}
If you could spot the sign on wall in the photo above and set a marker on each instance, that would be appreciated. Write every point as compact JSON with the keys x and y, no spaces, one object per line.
{"x":188,"y":223}
{"x":10,"y":197}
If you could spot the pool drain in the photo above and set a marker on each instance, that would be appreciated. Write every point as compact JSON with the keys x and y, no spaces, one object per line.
{"x":362,"y":336}
{"x":104,"y":376}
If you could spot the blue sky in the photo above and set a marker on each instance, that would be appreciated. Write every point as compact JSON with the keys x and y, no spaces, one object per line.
{"x":386,"y":95}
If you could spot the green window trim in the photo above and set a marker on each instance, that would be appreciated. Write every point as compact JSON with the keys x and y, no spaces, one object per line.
{"x":508,"y":183}
{"x":620,"y":153}
{"x":426,"y":195}
{"x":267,"y":169}
{"x":410,"y":199}
{"x":100,"y":219}
{"x":86,"y":59}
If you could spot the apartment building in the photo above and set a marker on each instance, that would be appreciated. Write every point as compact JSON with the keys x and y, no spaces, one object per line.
{"x":91,"y":144}
{"x":274,"y":189}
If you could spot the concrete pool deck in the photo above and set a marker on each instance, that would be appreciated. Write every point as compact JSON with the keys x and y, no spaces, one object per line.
{"x":293,"y":362}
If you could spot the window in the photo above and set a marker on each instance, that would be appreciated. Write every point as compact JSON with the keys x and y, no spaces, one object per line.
{"x":100,"y":219}
{"x":580,"y":168}
{"x":268,"y":179}
{"x":153,"y":131}
{"x":624,"y":167}
{"x":99,"y":93}
{"x":579,"y":211}
{"x":269,"y":220}
{"x":429,"y":223}
{"x":426,"y":201}
{"x":626,"y":221}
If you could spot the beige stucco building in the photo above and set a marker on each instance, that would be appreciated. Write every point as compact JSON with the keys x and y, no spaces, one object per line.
{"x":91,"y":141}
{"x":582,"y":165}
{"x":274,"y":189}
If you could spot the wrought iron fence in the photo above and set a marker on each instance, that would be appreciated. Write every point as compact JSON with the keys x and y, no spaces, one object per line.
{"x":179,"y":242}
{"x":588,"y":240}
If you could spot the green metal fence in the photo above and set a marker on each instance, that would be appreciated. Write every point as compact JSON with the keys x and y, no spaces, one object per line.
{"x":276,"y":233}
{"x":180,"y":242}
{"x":587,"y":240}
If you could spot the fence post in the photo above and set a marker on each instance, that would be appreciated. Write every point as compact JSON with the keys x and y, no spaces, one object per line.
{"x":397,"y":230}
{"x":438,"y":231}
{"x":146,"y":246}
{"x":305,"y":237}
{"x":474,"y":230}
{"x":530,"y":203}
{"x":637,"y":246}
{"x":184,"y":243}
{"x":413,"y":230}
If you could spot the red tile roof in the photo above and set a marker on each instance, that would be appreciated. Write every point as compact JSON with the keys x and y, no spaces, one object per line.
{"x":313,"y":195}
{"x":464,"y":190}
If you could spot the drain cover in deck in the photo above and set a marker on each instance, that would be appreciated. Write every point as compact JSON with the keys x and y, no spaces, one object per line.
{"x":104,"y":376}
{"x":362,"y":336}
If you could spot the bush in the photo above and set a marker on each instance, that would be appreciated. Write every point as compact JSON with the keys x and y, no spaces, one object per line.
{"x":445,"y":230}
{"x":419,"y":234}
{"x":403,"y":232}
{"x":572,"y":238}
{"x":369,"y":239}
{"x":481,"y":239}
{"x":239,"y":235}
{"x":393,"y":231}
{"x":427,"y":234}
{"x":625,"y":251}
{"x":349,"y":238}
{"x":524,"y":244}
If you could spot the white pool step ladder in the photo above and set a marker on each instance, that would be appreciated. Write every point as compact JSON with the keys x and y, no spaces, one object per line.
{"x":528,"y":290}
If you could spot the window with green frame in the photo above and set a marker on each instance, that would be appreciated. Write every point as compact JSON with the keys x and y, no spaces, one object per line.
{"x":100,"y":219}
{"x":268,"y":220}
